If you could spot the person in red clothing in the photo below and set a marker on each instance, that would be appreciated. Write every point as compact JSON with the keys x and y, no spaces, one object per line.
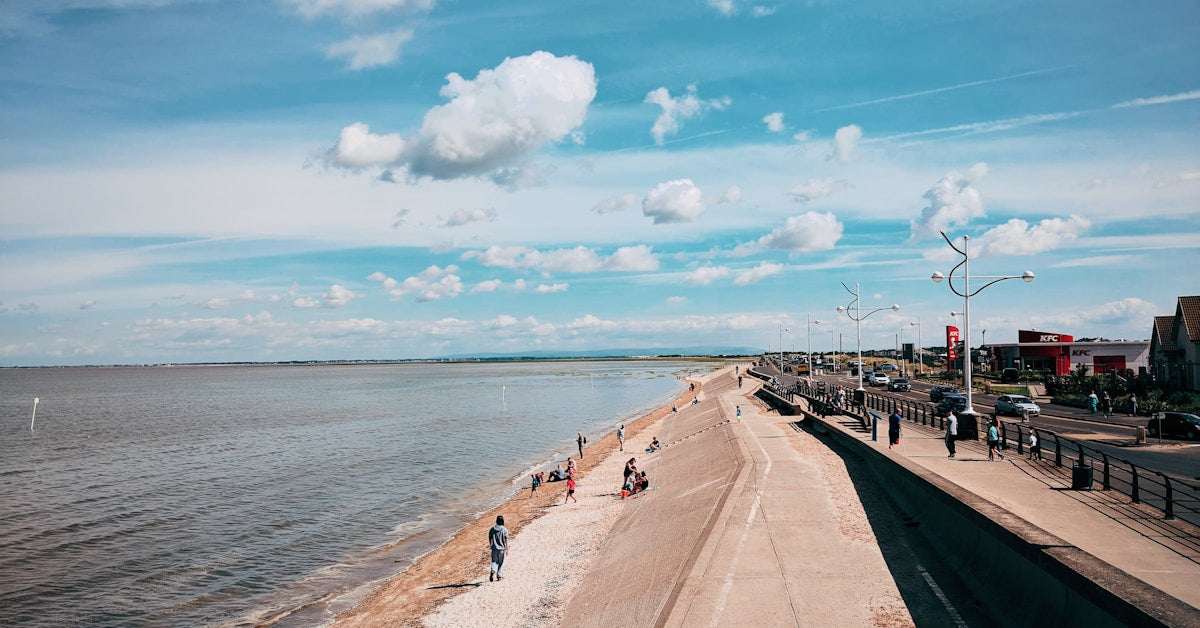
{"x":570,"y":490}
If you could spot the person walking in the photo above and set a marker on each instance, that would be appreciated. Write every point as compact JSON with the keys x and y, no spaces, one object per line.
{"x":993,"y":440}
{"x":580,"y":439}
{"x":1035,"y":450}
{"x":621,"y":437}
{"x":570,"y":490}
{"x":1106,"y":405}
{"x":739,"y":413}
{"x":894,"y":428}
{"x":537,"y":481}
{"x":1093,"y":401}
{"x":1132,"y":405}
{"x":951,"y":432}
{"x":498,"y":542}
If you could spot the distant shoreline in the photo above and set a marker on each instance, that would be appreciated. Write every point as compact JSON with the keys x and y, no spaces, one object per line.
{"x":483,"y":360}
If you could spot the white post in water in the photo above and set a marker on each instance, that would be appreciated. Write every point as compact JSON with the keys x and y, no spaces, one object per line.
{"x":34,"y":417}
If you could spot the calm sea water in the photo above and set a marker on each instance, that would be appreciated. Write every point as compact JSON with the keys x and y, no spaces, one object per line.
{"x":231,"y":495}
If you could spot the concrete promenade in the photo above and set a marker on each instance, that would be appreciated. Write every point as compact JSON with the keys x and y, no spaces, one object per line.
{"x":744,"y":529}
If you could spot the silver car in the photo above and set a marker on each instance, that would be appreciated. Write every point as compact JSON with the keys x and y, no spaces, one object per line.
{"x":1016,"y":405}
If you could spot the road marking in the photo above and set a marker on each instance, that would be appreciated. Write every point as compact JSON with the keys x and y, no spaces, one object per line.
{"x":958,"y":620}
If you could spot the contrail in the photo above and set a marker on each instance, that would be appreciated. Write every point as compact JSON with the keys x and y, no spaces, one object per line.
{"x":940,"y":89}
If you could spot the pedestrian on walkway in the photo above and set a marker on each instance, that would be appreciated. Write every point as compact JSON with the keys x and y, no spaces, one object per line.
{"x":580,"y":440}
{"x":894,"y":428}
{"x":951,"y":432}
{"x":739,"y":381}
{"x":1035,"y":450}
{"x":739,"y":413}
{"x":1093,"y":401}
{"x":1132,"y":405}
{"x":1106,"y":405}
{"x":570,"y":490}
{"x":993,"y":440}
{"x":621,"y":437}
{"x":498,"y":542}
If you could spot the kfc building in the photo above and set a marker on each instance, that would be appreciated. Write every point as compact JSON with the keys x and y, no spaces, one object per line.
{"x":1060,"y":354}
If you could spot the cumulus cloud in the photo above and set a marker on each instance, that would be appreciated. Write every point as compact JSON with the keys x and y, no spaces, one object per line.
{"x":757,"y":274}
{"x":462,"y":217}
{"x":818,"y":188}
{"x":638,"y":258}
{"x":305,"y":303}
{"x":953,"y":201}
{"x":774,"y":122}
{"x":579,"y":259}
{"x":356,"y":8}
{"x":615,"y":204}
{"x":490,"y":285}
{"x":337,"y":296}
{"x":368,"y":51}
{"x":732,"y":196}
{"x":845,"y":143}
{"x":675,"y":110}
{"x":432,"y":284}
{"x":729,"y":8}
{"x":705,"y":275}
{"x":490,"y":125}
{"x":802,"y":136}
{"x":215,"y":304}
{"x":673,"y":201}
{"x":811,"y":231}
{"x":549,"y":288}
{"x":1017,"y":237}
{"x":1129,"y":309}
{"x":676,"y":299}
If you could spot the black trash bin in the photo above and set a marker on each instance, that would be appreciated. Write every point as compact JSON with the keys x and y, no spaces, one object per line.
{"x":968,"y":426}
{"x":1081,"y":476}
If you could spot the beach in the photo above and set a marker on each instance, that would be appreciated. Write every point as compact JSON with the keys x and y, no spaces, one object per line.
{"x":550,"y":547}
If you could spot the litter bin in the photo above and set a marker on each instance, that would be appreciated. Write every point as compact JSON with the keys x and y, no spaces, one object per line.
{"x":860,"y":396}
{"x":968,"y":426}
{"x":1141,"y":435}
{"x":1081,"y":476}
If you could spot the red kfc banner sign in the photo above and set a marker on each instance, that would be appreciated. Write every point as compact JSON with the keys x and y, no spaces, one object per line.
{"x":951,"y":342}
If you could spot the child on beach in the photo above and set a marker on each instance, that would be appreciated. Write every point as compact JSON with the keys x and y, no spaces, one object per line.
{"x":570,"y":490}
{"x":537,"y":481}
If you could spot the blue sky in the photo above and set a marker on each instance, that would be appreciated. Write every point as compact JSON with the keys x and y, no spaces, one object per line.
{"x":186,"y":181}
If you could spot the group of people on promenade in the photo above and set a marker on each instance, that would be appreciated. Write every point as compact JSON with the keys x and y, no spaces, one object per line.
{"x":634,"y":481}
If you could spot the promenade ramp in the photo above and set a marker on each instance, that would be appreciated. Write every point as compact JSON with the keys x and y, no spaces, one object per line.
{"x":742,"y":529}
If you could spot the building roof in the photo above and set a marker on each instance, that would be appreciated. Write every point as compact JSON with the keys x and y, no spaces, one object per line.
{"x":1189,"y":308}
{"x":1163,"y":327}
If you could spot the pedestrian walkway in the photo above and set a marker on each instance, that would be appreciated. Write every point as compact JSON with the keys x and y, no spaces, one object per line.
{"x":1105,"y":524}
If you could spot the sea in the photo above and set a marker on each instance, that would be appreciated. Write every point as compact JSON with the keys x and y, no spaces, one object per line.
{"x":237,"y":495}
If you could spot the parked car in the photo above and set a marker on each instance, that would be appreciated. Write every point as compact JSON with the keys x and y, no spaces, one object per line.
{"x":951,"y":402}
{"x":888,"y":367}
{"x":1016,"y":405}
{"x":937,"y":392}
{"x":1009,"y":376}
{"x":899,"y":385}
{"x":878,"y":378}
{"x":1174,"y":424}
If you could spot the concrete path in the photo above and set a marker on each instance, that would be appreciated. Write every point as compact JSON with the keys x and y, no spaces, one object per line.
{"x":743,"y":529}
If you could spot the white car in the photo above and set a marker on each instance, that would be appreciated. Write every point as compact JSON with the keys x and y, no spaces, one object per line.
{"x":878,"y":378}
{"x":1016,"y":405}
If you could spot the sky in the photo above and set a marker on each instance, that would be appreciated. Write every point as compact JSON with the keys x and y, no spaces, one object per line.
{"x":212,"y":181}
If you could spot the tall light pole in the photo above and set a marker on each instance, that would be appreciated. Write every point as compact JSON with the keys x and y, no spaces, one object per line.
{"x":781,"y":330}
{"x":833,"y":348}
{"x":858,"y":317}
{"x":811,"y":322}
{"x":918,"y":352}
{"x":966,"y":294}
{"x":903,"y":364}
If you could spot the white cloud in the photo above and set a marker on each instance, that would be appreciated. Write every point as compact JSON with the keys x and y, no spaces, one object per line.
{"x":802,"y":136}
{"x":953,"y":201}
{"x":774,"y":122}
{"x":491,"y":285}
{"x":845,"y":143}
{"x":673,"y":201}
{"x":757,"y":274}
{"x":215,"y":303}
{"x":815,"y":189}
{"x":549,"y":288}
{"x":305,"y":303}
{"x":368,"y":51}
{"x":356,"y":8}
{"x":86,"y":305}
{"x":1159,"y":100}
{"x":724,"y":7}
{"x":579,"y":259}
{"x":432,"y":284}
{"x":1016,"y":237}
{"x":615,"y":204}
{"x":632,"y":258}
{"x":462,"y":217}
{"x":705,"y":275}
{"x":676,"y":299}
{"x":491,"y":124}
{"x":811,"y":231}
{"x":732,"y":196}
{"x":338,"y":296}
{"x":675,"y":110}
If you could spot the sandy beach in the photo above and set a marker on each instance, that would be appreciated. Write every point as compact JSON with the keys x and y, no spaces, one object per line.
{"x":550,"y":547}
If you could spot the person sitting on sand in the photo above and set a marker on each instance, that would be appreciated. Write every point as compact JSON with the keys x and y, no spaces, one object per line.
{"x":654,"y":445}
{"x":557,"y":475}
{"x":642,"y":483}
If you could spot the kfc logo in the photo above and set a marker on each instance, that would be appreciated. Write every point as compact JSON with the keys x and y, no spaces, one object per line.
{"x":1048,"y":338}
{"x":1081,"y":353}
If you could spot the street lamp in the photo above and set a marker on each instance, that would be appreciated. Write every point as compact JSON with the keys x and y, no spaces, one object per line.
{"x":900,"y":348}
{"x":858,"y":317}
{"x":811,"y":322}
{"x":920,"y":358}
{"x":966,"y":294}
{"x":781,"y":330}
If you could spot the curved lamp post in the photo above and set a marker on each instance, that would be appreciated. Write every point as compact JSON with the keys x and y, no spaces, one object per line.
{"x":811,"y":322}
{"x":966,"y":293}
{"x":781,"y":330}
{"x":858,"y":317}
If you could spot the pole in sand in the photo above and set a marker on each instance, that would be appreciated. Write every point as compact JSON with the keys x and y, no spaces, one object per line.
{"x":34,"y":417}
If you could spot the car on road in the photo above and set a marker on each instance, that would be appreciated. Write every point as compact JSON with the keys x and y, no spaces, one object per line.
{"x":1016,"y":405}
{"x":1009,"y":376}
{"x":899,"y":385}
{"x":951,"y":402}
{"x":878,"y":378}
{"x":1174,"y":424}
{"x":888,"y":367}
{"x":937,"y":392}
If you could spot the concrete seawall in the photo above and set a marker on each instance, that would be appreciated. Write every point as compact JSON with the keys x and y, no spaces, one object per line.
{"x":1032,"y":574}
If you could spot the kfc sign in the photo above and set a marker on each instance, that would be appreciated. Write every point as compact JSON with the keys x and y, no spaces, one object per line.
{"x":1081,"y":353}
{"x":1029,"y":335}
{"x":1048,"y":338}
{"x":951,"y":342}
